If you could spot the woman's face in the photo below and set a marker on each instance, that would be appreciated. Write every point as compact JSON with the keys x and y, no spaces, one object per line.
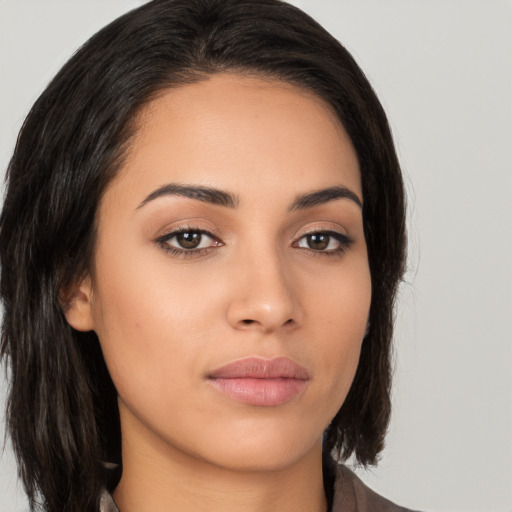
{"x":231,"y":288}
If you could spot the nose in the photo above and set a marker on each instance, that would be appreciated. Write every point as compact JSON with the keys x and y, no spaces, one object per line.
{"x":265,"y":297}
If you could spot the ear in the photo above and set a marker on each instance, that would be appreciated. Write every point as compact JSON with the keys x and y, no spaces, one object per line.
{"x":77,"y":305}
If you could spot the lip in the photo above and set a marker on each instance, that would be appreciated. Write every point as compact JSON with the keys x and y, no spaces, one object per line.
{"x":259,"y":381}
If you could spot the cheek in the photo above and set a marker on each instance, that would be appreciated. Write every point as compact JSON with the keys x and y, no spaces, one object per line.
{"x":341,"y":311}
{"x":150,"y":324}
{"x":341,"y":300}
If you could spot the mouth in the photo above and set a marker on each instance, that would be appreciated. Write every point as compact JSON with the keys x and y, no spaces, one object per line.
{"x":261,"y":382}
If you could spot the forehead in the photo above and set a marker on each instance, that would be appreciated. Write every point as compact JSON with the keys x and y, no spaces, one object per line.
{"x":234,"y":131}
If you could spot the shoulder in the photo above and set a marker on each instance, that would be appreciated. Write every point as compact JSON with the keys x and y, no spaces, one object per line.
{"x":352,"y":495}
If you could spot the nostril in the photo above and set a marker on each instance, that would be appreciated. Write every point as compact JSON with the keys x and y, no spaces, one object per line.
{"x":248,"y":321}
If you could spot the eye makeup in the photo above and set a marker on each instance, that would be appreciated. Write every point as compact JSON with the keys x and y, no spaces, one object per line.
{"x":324,"y":242}
{"x":188,"y":241}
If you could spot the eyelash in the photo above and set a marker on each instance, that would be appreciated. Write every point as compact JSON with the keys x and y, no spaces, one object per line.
{"x":343,"y":240}
{"x":163,"y":242}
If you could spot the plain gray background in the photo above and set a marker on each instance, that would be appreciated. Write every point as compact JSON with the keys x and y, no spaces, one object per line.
{"x":443,"y":70}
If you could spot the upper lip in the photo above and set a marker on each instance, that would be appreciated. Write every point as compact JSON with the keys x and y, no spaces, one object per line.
{"x":261,"y":368}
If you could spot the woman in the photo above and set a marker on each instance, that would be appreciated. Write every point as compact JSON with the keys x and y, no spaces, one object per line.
{"x":201,"y":241}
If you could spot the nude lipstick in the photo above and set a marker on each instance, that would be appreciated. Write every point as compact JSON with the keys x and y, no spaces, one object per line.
{"x":259,"y":381}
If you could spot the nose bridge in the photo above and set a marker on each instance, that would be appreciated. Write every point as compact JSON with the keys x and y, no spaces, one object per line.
{"x":264,"y":297}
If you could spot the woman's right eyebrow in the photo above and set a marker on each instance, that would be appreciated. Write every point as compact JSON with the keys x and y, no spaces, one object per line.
{"x":197,"y":192}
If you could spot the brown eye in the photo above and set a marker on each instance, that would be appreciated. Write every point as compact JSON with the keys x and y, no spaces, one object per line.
{"x":324,"y":241}
{"x":189,"y":239}
{"x":318,"y":242}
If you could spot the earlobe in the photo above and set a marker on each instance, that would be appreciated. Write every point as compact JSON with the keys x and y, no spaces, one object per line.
{"x":77,"y":305}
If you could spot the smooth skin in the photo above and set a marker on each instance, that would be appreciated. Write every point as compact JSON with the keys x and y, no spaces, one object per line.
{"x":261,"y":269}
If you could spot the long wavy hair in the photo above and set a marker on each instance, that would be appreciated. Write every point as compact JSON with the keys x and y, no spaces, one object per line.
{"x":62,"y":413}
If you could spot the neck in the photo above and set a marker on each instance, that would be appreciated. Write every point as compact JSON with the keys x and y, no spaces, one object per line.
{"x":163,"y":479}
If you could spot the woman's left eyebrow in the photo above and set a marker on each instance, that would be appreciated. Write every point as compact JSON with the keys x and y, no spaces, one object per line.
{"x":322,"y":196}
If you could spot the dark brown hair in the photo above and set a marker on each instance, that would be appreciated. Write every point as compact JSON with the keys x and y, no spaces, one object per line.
{"x":62,"y":411}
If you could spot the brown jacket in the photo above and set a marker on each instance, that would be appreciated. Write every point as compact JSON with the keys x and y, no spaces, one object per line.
{"x":349,"y":494}
{"x":352,"y":495}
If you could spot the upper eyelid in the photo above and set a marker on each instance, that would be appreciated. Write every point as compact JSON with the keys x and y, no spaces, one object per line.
{"x":184,"y":229}
{"x":327,"y":230}
{"x":169,"y":233}
{"x":322,"y":230}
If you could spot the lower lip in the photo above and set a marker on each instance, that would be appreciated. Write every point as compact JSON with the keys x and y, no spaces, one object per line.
{"x":262,"y":392}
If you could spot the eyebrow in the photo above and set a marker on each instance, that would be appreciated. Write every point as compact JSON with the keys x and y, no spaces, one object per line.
{"x":199,"y":193}
{"x":222,"y":198}
{"x":323,"y":196}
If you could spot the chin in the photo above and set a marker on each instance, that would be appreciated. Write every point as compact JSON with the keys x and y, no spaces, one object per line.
{"x":266,"y":448}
